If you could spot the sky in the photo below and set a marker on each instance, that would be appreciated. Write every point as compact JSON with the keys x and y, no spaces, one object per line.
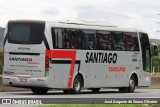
{"x":140,"y":14}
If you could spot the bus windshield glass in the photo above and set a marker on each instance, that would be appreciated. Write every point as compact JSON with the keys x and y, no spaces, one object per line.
{"x":25,"y":33}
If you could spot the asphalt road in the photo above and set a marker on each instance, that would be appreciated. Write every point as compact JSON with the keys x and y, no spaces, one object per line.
{"x":86,"y":96}
{"x":104,"y":93}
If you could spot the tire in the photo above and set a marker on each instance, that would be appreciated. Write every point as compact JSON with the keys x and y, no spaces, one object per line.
{"x":95,"y":90}
{"x":39,"y":91}
{"x":131,"y":87}
{"x":77,"y":85}
{"x":132,"y":84}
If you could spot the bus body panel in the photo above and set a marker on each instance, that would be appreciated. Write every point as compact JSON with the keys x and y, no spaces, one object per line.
{"x":98,"y":74}
{"x":23,"y":63}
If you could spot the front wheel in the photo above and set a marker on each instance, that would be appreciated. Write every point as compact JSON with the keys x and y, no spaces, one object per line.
{"x":77,"y":84}
{"x":132,"y":84}
{"x":37,"y":90}
{"x":131,"y":87}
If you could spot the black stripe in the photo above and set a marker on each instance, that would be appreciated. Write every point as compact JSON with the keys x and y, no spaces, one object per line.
{"x":19,"y":53}
{"x":67,"y":62}
{"x":5,"y":39}
{"x":45,"y":42}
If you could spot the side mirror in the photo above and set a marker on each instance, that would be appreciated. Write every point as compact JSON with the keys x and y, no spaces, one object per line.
{"x":155,"y":50}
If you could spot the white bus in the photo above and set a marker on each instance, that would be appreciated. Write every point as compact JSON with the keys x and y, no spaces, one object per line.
{"x":42,"y":55}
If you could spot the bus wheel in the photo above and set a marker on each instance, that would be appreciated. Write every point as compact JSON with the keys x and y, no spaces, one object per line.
{"x":131,"y":87}
{"x":77,"y":84}
{"x":95,"y":90}
{"x":39,"y":90}
{"x":132,"y":84}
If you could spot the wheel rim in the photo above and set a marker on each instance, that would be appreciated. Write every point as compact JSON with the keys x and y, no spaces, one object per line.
{"x":131,"y":84}
{"x":77,"y":85}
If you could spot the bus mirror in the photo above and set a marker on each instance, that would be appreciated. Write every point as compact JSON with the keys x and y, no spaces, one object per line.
{"x":155,"y":50}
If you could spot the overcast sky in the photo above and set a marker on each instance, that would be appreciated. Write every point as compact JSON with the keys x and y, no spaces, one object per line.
{"x":141,"y":14}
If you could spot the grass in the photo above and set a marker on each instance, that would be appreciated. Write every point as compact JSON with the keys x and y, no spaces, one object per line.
{"x":102,"y":105}
{"x":156,"y":74}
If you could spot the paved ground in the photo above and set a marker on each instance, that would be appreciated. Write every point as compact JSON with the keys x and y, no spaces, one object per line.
{"x":85,"y":97}
{"x":104,"y":93}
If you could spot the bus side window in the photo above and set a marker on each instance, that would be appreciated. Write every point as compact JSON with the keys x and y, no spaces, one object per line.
{"x":99,"y":45}
{"x":90,"y":39}
{"x":112,"y":41}
{"x":65,"y":39}
{"x":107,"y":43}
{"x":119,"y":41}
{"x":131,"y":41}
{"x":128,"y":41}
{"x":103,"y":40}
{"x":70,"y":39}
{"x":134,"y":45}
{"x":54,"y":33}
{"x":78,"y":39}
{"x":90,"y":44}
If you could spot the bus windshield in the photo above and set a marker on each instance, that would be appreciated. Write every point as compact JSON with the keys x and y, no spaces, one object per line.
{"x":25,"y":33}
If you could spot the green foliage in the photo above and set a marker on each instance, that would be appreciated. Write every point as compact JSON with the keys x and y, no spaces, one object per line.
{"x":156,"y":74}
{"x":156,"y":61}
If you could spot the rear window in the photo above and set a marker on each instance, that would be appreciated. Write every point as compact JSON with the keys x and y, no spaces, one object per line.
{"x":25,"y":33}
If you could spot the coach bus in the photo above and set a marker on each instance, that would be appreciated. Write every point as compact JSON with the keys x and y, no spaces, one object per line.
{"x":42,"y":55}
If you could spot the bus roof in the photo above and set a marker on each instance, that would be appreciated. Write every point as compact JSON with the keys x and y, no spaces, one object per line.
{"x":91,"y":27}
{"x":81,"y":25}
{"x":88,"y":23}
{"x":26,"y":21}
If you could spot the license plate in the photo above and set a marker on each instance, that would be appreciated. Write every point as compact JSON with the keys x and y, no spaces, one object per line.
{"x":22,"y":79}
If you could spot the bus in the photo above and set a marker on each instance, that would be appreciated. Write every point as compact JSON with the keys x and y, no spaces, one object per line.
{"x":43,"y":55}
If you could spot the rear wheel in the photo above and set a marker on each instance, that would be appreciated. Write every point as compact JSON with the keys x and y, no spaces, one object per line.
{"x":77,"y":84}
{"x":39,"y":90}
{"x":131,"y":87}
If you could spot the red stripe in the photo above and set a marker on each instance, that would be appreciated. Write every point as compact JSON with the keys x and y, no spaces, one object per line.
{"x":64,"y":54}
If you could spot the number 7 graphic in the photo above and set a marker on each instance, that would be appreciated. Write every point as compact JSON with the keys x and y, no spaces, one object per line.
{"x":64,"y":54}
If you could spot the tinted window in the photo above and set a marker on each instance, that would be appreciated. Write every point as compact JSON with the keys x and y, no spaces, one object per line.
{"x":146,"y":54}
{"x":72,"y":39}
{"x":78,"y":39}
{"x":131,"y":41}
{"x":104,"y":40}
{"x":25,"y":33}
{"x":119,"y":41}
{"x":92,"y":39}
